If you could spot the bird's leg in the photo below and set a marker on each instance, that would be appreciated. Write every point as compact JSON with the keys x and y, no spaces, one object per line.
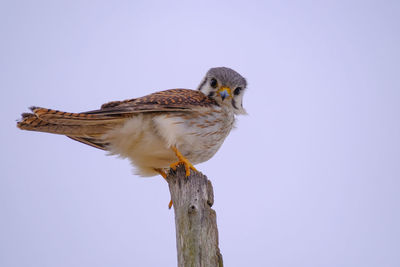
{"x":182,"y":160}
{"x":161,"y":172}
{"x":164,"y":175}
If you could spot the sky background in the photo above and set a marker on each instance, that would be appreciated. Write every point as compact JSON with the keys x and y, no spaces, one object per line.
{"x":309,"y":178}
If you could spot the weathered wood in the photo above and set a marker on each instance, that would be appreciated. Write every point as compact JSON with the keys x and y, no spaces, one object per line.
{"x":195,"y":221}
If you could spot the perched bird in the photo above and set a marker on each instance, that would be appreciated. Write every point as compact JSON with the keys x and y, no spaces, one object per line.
{"x":156,"y":131}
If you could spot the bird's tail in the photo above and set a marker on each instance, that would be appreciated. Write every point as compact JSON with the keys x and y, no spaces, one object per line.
{"x":82,"y":127}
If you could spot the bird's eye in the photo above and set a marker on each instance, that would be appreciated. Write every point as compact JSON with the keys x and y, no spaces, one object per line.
{"x":213,"y":83}
{"x":237,"y":90}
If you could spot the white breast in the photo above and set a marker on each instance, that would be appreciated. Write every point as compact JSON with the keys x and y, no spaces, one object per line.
{"x":146,"y":139}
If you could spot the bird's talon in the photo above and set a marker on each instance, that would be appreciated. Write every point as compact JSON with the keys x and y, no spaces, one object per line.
{"x":187,"y":164}
{"x":174,"y":165}
{"x":184,"y":161}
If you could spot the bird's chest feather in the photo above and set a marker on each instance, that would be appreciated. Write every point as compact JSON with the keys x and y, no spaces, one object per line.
{"x":198,"y":135}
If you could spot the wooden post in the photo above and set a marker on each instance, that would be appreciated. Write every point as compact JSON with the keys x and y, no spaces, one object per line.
{"x":195,"y":221}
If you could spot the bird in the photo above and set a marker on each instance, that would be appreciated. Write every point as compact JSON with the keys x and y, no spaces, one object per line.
{"x":159,"y":131}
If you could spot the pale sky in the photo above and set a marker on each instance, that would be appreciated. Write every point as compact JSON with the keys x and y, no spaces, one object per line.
{"x":311,"y":177}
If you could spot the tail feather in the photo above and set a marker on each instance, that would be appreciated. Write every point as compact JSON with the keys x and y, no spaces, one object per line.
{"x":68,"y":118}
{"x":66,"y":123}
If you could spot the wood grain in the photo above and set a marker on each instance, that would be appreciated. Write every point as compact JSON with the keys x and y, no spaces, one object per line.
{"x":195,"y":220}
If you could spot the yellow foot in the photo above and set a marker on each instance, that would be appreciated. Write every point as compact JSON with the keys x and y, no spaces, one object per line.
{"x":182,"y":160}
{"x":164,"y":175}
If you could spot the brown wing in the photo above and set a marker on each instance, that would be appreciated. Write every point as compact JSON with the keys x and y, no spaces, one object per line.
{"x":168,"y":100}
{"x":88,"y":127}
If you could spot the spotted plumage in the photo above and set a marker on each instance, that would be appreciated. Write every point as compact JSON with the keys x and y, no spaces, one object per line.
{"x":156,"y":130}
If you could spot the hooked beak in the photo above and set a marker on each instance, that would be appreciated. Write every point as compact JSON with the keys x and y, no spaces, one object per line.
{"x":224,"y":92}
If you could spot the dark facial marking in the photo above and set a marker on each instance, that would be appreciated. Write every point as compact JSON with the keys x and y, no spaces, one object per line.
{"x":201,"y":85}
{"x":211,"y":94}
{"x":234,"y":103}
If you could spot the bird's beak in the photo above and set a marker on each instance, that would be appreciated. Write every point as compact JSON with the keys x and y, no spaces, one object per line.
{"x":224,"y":92}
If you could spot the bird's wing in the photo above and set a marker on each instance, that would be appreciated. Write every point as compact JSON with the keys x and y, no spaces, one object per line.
{"x":91,"y":141}
{"x":95,"y":123}
{"x":168,"y":100}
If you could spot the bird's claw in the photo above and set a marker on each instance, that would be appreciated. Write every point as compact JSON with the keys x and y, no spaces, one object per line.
{"x":184,"y":161}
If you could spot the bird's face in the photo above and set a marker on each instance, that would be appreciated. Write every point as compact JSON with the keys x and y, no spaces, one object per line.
{"x":226,"y":86}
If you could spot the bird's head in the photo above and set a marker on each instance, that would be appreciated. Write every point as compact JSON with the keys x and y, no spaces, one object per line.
{"x":226,"y":86}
